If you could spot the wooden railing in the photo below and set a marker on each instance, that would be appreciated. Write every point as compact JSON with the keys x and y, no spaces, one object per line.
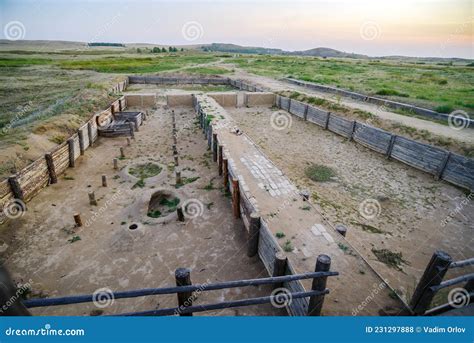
{"x":432,"y":281}
{"x":186,"y":294}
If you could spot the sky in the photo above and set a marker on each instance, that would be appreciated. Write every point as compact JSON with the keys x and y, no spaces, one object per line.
{"x":435,"y":28}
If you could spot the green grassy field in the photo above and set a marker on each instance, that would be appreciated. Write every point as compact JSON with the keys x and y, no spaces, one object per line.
{"x":440,"y":87}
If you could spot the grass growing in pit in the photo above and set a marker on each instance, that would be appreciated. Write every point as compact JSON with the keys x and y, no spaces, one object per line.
{"x":319,"y":173}
{"x":390,"y":258}
{"x":166,"y":206}
{"x":146,"y":170}
{"x":288,"y":247}
{"x":280,"y":234}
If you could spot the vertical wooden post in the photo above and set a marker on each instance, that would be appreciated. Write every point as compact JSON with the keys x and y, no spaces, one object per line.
{"x":16,"y":188}
{"x":279,"y":267}
{"x":433,"y":276}
{"x":225,"y":173}
{"x":77,"y":219}
{"x":390,"y":146}
{"x":137,"y":125}
{"x":352,"y":130}
{"x":70,"y":143}
{"x":341,"y":229}
{"x":185,"y":299}
{"x":89,"y":133}
{"x":122,"y":152}
{"x":132,"y":130}
{"x":219,"y":158}
{"x":442,"y":166}
{"x":253,"y":234}
{"x":115,"y":163}
{"x":128,"y":142}
{"x":323,"y":264}
{"x":80,"y":133}
{"x":104,"y":180}
{"x":179,"y":211}
{"x":92,"y":200}
{"x":53,"y":178}
{"x":176,"y":160}
{"x":178,"y":177}
{"x":236,"y":198}
{"x":327,"y":121}
{"x":214,"y":147}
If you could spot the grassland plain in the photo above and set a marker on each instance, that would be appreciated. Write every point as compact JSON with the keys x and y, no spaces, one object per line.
{"x":443,"y":87}
{"x":46,"y":92}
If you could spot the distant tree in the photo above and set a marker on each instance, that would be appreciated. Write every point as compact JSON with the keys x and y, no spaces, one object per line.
{"x":156,"y":50}
{"x":163,"y":50}
{"x":139,"y":50}
{"x":182,"y":49}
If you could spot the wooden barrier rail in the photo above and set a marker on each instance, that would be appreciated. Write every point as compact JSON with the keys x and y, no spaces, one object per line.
{"x":184,"y":290}
{"x":432,"y":281}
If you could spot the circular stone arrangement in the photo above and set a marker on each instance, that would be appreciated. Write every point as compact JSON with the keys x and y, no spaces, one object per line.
{"x":144,"y":171}
{"x":162,"y":205}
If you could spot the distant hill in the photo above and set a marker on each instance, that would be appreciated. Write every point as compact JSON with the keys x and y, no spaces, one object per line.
{"x":238,"y":49}
{"x":327,"y":52}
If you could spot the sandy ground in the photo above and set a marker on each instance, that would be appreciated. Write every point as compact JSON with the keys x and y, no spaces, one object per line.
{"x":465,"y":135}
{"x":37,"y":247}
{"x":412,"y":204}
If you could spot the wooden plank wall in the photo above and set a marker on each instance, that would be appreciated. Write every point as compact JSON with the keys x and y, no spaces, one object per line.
{"x":35,"y":176}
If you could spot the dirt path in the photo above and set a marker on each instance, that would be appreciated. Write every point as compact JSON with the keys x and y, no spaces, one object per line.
{"x":465,"y":135}
{"x":43,"y":247}
{"x":307,"y":232}
{"x":412,"y":206}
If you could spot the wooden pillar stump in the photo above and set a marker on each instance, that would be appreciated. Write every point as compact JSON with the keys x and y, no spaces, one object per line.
{"x":92,"y":200}
{"x":185,"y":299}
{"x":253,"y":234}
{"x":323,"y":264}
{"x":122,"y":152}
{"x":279,"y":267}
{"x":115,"y":163}
{"x":220,"y":158}
{"x":236,"y":198}
{"x":70,"y":143}
{"x":225,"y":173}
{"x":77,"y":219}
{"x":53,"y":178}
{"x":104,"y":180}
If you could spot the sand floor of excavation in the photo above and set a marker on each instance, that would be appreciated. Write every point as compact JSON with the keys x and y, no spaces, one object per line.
{"x":46,"y":250}
{"x":413,"y":205}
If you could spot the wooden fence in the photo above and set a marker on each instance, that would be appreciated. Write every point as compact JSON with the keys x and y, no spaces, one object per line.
{"x":28,"y":182}
{"x":442,"y":164}
{"x":374,"y":100}
{"x":432,"y":281}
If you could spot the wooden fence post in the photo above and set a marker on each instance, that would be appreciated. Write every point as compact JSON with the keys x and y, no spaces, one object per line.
{"x":326,"y":125}
{"x":323,"y":264}
{"x":89,"y":133}
{"x":185,"y":299}
{"x":442,"y":166}
{"x":115,"y":163}
{"x":354,"y":123}
{"x":225,"y":173}
{"x":390,"y":146}
{"x":279,"y":267}
{"x":92,"y":200}
{"x":122,"y":152}
{"x":236,"y":198}
{"x":253,"y":234}
{"x":305,"y":114}
{"x":53,"y":178}
{"x":219,"y":158}
{"x":433,"y":276}
{"x":16,"y":188}
{"x":81,"y":141}
{"x":70,"y":143}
